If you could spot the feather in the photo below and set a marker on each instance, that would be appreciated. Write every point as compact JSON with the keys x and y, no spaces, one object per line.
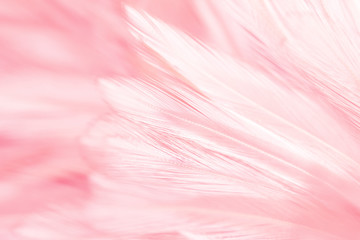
{"x":212,"y":128}
{"x":224,"y":120}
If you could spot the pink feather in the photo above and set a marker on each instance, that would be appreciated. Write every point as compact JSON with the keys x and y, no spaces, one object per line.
{"x":169,"y":120}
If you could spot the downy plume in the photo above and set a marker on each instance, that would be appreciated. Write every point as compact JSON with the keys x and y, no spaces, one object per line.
{"x":191,"y":119}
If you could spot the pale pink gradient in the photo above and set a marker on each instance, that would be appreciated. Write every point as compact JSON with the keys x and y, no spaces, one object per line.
{"x":181,"y":119}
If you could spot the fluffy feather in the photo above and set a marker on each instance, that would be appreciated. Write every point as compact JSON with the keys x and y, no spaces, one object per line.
{"x":248,"y":152}
{"x":227,"y":120}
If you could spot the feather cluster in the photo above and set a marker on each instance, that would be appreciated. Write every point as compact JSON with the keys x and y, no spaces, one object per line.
{"x":180,"y":120}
